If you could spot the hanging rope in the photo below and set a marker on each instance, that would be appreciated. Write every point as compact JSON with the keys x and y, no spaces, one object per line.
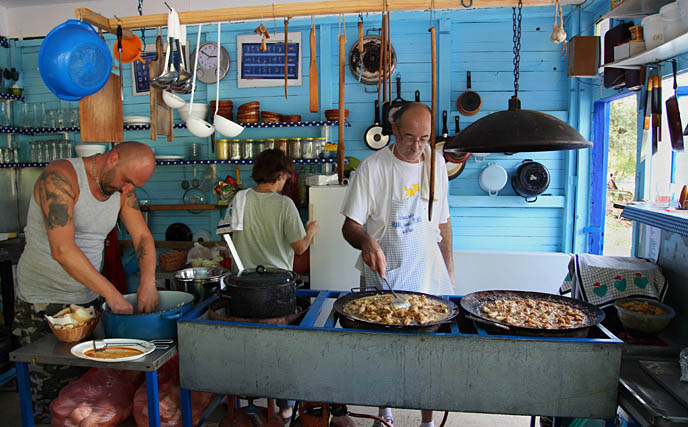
{"x":143,"y":30}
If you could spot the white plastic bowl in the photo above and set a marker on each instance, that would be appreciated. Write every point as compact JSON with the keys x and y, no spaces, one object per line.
{"x":200,"y":111}
{"x":86,"y":150}
{"x":199,"y":127}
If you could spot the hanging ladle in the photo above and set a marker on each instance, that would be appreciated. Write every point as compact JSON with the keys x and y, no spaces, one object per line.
{"x":185,"y":182}
{"x":183,"y":83}
{"x":198,"y":127}
{"x":223,"y":125}
{"x":195,"y":182}
{"x":169,"y":73}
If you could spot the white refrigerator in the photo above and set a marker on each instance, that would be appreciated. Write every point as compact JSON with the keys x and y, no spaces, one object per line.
{"x":332,"y":259}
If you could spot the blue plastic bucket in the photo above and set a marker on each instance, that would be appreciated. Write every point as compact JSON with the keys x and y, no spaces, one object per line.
{"x":74,"y":61}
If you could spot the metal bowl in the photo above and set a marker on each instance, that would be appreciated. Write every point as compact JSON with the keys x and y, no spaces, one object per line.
{"x":642,"y":322}
{"x":201,"y":274}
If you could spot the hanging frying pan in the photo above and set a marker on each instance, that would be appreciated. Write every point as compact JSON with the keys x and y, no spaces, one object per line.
{"x":456,"y":157}
{"x":674,"y":118}
{"x":392,"y":107}
{"x":374,"y":137}
{"x":469,"y":102}
{"x":417,"y":96}
{"x":369,"y":62}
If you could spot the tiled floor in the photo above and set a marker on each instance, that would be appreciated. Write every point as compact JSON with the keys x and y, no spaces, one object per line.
{"x":11,"y":415}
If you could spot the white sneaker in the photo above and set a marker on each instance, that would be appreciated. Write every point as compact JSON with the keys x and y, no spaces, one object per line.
{"x":389,"y":421}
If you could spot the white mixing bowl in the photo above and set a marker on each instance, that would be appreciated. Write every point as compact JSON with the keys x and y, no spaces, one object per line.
{"x":86,"y":150}
{"x":199,"y":111}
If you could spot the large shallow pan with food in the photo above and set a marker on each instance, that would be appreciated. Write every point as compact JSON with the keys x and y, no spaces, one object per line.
{"x":348,"y":321}
{"x":474,"y":302}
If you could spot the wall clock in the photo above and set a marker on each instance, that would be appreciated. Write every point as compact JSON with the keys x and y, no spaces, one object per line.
{"x":207,"y":62}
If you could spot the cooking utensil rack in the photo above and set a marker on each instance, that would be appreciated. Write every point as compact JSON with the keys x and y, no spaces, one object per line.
{"x":462,"y":367}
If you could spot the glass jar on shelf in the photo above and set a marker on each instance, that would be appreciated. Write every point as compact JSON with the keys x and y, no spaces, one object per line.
{"x":282,"y":144}
{"x":259,"y":146}
{"x":294,"y":148}
{"x":247,"y":149}
{"x":270,"y":144}
{"x":319,"y":143}
{"x":308,"y":148}
{"x":235,"y":149}
{"x":222,"y":149}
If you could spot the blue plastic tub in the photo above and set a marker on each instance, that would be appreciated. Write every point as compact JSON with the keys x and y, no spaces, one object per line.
{"x":74,"y":61}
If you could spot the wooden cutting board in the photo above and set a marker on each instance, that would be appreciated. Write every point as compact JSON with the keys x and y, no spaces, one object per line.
{"x":160,"y":114}
{"x":101,"y":114}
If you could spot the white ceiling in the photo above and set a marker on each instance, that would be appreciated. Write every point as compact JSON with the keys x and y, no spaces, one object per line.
{"x":21,"y":3}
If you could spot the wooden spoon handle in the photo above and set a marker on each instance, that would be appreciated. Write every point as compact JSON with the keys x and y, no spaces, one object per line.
{"x":433,"y":48}
{"x":340,"y":142}
{"x":313,"y":75}
{"x":286,"y":56}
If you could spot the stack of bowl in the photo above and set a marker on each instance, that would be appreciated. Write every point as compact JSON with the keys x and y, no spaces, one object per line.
{"x":249,"y":112}
{"x":333,"y":115}
{"x":269,"y":117}
{"x":291,"y":118}
{"x":225,"y":109}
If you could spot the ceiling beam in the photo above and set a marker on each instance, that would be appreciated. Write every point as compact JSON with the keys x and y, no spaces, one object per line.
{"x":314,"y":8}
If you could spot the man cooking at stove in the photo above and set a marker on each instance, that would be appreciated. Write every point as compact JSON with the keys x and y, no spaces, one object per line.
{"x":266,"y":227}
{"x":75,"y":204}
{"x":386,"y":210}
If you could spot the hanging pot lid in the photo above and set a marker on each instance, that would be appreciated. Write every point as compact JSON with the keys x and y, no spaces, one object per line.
{"x":260,"y":277}
{"x":371,"y":60}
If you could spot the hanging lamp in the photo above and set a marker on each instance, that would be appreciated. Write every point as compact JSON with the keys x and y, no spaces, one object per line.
{"x":516,"y":130}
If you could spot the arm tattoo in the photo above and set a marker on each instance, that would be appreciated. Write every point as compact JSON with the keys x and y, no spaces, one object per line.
{"x":140,"y":252}
{"x":54,"y":194}
{"x":132,"y":201}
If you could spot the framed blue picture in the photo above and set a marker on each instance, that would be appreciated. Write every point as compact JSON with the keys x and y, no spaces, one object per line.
{"x":257,"y":68}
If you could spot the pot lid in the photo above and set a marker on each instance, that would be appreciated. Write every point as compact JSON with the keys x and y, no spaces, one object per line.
{"x":260,"y":277}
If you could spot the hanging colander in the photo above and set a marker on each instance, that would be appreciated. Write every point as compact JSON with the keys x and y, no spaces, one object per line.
{"x":74,"y":61}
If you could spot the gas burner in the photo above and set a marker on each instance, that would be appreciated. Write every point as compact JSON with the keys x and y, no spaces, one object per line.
{"x":640,"y":338}
{"x":219,"y":310}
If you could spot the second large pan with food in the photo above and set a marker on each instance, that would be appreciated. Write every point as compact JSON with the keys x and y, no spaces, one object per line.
{"x":474,"y":302}
{"x":348,"y":321}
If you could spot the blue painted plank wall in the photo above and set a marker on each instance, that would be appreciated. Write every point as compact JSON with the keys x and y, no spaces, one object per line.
{"x":479,"y":41}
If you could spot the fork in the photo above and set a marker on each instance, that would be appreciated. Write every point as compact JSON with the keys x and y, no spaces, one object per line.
{"x":159,"y":344}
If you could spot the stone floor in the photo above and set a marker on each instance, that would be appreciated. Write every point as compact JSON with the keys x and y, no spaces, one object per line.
{"x":11,"y":415}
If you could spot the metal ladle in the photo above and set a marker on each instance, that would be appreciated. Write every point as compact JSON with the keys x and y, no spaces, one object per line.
{"x":169,"y":73}
{"x":398,"y":303}
{"x":183,"y":83}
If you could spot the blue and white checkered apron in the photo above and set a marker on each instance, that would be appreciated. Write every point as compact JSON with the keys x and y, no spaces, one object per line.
{"x":414,"y":260}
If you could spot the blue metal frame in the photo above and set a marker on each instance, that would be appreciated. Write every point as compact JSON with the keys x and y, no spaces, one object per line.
{"x":598,"y":184}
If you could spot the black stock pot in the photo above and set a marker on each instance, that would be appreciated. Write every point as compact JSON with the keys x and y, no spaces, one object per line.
{"x":261,"y":292}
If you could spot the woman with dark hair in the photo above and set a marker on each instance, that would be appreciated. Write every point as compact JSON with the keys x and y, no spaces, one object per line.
{"x":265,"y":225}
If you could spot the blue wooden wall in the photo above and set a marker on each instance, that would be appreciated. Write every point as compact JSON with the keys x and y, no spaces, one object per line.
{"x":479,"y":41}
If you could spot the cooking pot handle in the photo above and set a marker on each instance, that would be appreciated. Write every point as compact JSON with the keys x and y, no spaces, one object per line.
{"x":531,"y":200}
{"x":172,"y":316}
{"x":298,"y":283}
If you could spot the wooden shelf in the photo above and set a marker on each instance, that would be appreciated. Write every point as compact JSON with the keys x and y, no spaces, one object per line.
{"x":203,"y":207}
{"x":662,"y":52}
{"x":635,"y":9}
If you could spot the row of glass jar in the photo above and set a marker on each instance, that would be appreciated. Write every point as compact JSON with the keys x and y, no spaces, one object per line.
{"x":47,"y":151}
{"x":246,"y":149}
{"x":37,"y":115}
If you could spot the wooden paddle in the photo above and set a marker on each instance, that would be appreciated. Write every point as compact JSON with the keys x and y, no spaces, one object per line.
{"x":340,"y":125}
{"x":313,"y":74}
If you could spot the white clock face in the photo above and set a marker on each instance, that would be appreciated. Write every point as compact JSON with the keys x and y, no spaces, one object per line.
{"x":207,"y":62}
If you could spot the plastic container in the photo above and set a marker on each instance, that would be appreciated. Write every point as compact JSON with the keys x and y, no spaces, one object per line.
{"x":641,"y":322}
{"x":653,"y":31}
{"x":683,"y":8}
{"x":74,"y":61}
{"x":671,"y":20}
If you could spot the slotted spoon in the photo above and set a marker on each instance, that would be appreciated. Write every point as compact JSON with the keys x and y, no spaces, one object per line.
{"x":397,"y":303}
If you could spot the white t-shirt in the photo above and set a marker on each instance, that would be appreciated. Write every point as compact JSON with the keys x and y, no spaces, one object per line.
{"x":381,"y":176}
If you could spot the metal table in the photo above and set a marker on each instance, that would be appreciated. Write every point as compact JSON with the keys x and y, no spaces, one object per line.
{"x":461,"y":369}
{"x":643,"y":397}
{"x":49,"y":350}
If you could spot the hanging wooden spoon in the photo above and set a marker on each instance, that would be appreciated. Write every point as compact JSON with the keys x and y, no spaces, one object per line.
{"x":286,"y":56}
{"x":342,"y":119}
{"x":433,"y":47}
{"x":313,"y":73}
